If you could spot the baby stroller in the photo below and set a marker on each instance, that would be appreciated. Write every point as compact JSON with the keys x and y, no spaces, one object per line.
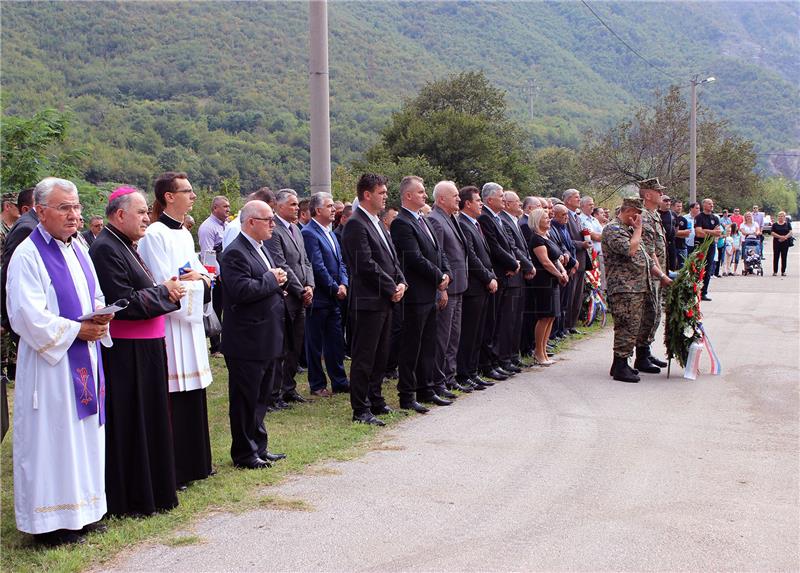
{"x":752,"y":259}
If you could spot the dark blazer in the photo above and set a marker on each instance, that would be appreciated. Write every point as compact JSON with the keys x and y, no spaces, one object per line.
{"x":89,"y":236}
{"x":525,"y":230}
{"x":504,"y":257}
{"x":422,"y":260}
{"x":18,"y":233}
{"x":298,"y":267}
{"x":253,"y":316}
{"x":374,"y":271}
{"x":566,"y":247}
{"x":519,"y":247}
{"x":574,"y":227}
{"x":326,"y":264}
{"x":450,"y":236}
{"x":479,"y":260}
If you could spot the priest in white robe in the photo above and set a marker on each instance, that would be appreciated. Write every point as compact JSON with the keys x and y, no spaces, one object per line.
{"x":59,"y":436}
{"x":168,"y":251}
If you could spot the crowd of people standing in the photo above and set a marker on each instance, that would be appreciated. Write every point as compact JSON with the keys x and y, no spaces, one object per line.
{"x":448,"y":298}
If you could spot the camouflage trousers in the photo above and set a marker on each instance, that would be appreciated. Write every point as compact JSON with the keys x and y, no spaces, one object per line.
{"x":652,"y":314}
{"x":633,"y":321}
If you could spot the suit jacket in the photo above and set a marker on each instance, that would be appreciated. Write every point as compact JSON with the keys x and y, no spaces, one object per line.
{"x":18,"y":233}
{"x":422,"y":260}
{"x":88,"y":236}
{"x":327,"y":265}
{"x":526,"y":233}
{"x":574,"y":228}
{"x":519,"y":246}
{"x":450,"y":236}
{"x":561,"y":242}
{"x":504,"y":256}
{"x":479,"y":260}
{"x":293,"y":251}
{"x":374,"y":271}
{"x":253,"y":316}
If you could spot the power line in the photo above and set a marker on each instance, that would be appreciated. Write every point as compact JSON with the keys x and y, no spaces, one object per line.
{"x":780,"y":154}
{"x":617,"y":36}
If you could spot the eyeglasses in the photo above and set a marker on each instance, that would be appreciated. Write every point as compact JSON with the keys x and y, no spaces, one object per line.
{"x":269,"y":220}
{"x":182,"y":191}
{"x":65,"y":208}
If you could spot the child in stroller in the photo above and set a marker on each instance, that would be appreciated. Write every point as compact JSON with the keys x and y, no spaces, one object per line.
{"x":752,"y":258}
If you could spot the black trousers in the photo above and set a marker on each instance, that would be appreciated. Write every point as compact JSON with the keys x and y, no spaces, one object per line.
{"x":526,"y":341}
{"x":489,"y":355}
{"x":473,"y":321}
{"x":370,"y":348}
{"x":509,"y":324}
{"x":216,"y":304}
{"x":417,"y":350}
{"x":709,"y":268}
{"x":295,"y":334}
{"x":249,"y":383}
{"x":780,"y":250}
{"x":394,"y":340}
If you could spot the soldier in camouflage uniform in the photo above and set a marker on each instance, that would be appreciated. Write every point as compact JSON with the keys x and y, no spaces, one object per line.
{"x":629,"y":272}
{"x":654,"y":240}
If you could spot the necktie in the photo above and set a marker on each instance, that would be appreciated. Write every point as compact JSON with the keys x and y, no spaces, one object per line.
{"x":293,"y":231}
{"x":425,"y":229}
{"x":478,"y":225}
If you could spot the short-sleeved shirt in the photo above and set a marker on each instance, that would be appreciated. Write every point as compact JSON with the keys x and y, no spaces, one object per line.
{"x":681,"y":225}
{"x":553,"y":253}
{"x":781,"y":229}
{"x":624,"y":274}
{"x":707,"y":222}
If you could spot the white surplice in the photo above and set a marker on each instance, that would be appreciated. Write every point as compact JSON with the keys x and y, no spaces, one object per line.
{"x":164,"y":251}
{"x":59,"y":460}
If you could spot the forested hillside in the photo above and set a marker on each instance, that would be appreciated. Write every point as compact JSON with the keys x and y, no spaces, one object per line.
{"x":220,"y":89}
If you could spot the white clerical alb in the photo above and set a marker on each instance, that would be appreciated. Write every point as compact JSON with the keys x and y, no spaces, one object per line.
{"x":165,"y":251}
{"x":59,"y":460}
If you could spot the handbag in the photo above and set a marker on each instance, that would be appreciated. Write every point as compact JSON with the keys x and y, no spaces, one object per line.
{"x":211,"y":322}
{"x":791,"y":242}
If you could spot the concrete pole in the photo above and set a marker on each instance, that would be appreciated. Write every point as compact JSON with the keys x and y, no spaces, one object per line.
{"x":693,"y":145}
{"x":320,"y":104}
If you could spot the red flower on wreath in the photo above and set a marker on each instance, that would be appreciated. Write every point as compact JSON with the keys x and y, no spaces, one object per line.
{"x":689,"y":313}
{"x":701,"y":256}
{"x":694,"y":287}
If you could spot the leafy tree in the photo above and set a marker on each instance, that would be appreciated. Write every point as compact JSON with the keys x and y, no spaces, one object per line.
{"x":655,"y":143}
{"x":778,"y":194}
{"x":379,"y":161}
{"x":559,"y":169}
{"x":459,"y":126}
{"x":33,"y":149}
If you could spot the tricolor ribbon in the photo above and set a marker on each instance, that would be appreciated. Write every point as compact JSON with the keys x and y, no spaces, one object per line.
{"x":692,"y":368}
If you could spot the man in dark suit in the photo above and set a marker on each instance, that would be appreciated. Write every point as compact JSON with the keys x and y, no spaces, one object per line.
{"x":506,"y":266}
{"x":560,"y":235}
{"x":481,"y":286}
{"x":324,"y":319}
{"x":572,"y":200}
{"x":286,"y":243}
{"x":95,"y":226}
{"x":449,"y":235}
{"x":425,"y":268}
{"x":18,"y":233}
{"x":252,"y":333}
{"x":511,"y":313}
{"x":376,"y":285}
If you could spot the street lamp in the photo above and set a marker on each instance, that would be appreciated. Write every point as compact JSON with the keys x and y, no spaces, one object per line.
{"x":693,"y":140}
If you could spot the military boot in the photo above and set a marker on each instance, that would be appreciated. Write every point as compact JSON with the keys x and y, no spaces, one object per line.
{"x":654,"y":360}
{"x":621,"y":371}
{"x":643,"y":363}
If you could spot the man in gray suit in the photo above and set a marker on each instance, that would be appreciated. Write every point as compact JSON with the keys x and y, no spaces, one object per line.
{"x":449,"y":304}
{"x":572,"y":200}
{"x":287,"y":245}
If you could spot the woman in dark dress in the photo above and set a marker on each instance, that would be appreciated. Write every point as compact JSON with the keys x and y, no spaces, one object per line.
{"x":549,"y":275}
{"x":781,"y":233}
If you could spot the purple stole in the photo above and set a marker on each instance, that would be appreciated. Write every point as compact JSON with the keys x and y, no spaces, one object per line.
{"x":69,"y":306}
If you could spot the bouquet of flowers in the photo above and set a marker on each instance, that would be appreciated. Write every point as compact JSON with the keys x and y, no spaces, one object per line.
{"x":595,"y":302}
{"x":684,"y":335}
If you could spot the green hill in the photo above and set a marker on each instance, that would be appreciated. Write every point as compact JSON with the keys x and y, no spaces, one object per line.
{"x":220,"y":89}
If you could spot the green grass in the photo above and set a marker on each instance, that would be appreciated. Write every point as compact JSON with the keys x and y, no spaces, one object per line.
{"x":308,"y":433}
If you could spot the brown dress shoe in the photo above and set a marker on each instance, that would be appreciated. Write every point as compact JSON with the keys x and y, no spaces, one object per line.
{"x":323,"y":393}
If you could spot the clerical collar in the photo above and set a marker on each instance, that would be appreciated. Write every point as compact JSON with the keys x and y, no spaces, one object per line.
{"x":118,"y":234}
{"x":169,"y":221}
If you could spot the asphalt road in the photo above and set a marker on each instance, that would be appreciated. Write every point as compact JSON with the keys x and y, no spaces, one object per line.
{"x":561,"y":469}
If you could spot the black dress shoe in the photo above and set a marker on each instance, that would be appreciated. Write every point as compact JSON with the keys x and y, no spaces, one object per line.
{"x":367,"y":418}
{"x":518,"y":363}
{"x":447,"y":394}
{"x":256,"y":464}
{"x":293,"y":397}
{"x":574,"y":331}
{"x":281,"y":405}
{"x":416,"y":406}
{"x":705,"y":297}
{"x":436,"y":399}
{"x":495,"y":375}
{"x":478,"y":381}
{"x":345,"y":389}
{"x":513,"y":368}
{"x":462,"y":387}
{"x":503,"y":371}
{"x":59,"y":537}
{"x":270,"y":457}
{"x":272,"y":408}
{"x":96,"y":527}
{"x":381,"y":410}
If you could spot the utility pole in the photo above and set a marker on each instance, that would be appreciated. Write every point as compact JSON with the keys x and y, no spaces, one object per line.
{"x":320,"y":97}
{"x":693,"y":139}
{"x":530,"y":92}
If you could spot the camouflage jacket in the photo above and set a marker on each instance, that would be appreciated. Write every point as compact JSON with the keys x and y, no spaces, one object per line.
{"x":624,"y":274}
{"x":654,"y":238}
